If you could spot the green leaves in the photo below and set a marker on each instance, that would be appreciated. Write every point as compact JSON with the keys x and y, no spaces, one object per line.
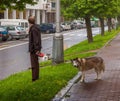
{"x":15,"y":4}
{"x":98,"y":8}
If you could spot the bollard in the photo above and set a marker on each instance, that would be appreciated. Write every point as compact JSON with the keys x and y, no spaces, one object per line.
{"x":57,"y":52}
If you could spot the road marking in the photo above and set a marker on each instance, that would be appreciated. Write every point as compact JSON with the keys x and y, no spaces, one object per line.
{"x":3,"y":47}
{"x":45,"y":38}
{"x":67,"y":38}
{"x":81,"y":35}
{"x":13,"y":46}
{"x":71,"y":34}
{"x":76,"y":31}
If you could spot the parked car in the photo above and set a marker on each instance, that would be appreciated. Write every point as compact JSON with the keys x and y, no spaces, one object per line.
{"x":78,"y":25}
{"x":83,"y":24}
{"x":66,"y":26}
{"x":3,"y":34}
{"x":74,"y":25}
{"x":47,"y":28}
{"x":15,"y":32}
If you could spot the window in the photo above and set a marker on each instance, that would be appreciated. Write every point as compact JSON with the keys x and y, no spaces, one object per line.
{"x":11,"y":28}
{"x":26,"y":24}
{"x":19,"y":28}
{"x":22,"y":24}
{"x":53,"y":4}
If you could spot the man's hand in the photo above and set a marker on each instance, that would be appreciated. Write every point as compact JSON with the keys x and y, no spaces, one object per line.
{"x":37,"y":52}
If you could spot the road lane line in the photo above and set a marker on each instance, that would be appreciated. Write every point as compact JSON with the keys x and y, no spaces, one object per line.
{"x":13,"y":46}
{"x":1,"y":46}
{"x":76,"y":31}
{"x":45,"y":38}
{"x":7,"y":46}
{"x":67,"y":38}
{"x":71,"y":34}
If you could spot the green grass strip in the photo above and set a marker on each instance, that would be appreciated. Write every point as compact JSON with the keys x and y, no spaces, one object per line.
{"x":19,"y":87}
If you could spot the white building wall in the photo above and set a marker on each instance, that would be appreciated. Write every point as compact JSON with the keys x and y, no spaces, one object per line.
{"x":40,"y":5}
{"x":27,"y":14}
{"x":21,"y":15}
{"x":14,"y":14}
{"x":6,"y":14}
{"x":38,"y":10}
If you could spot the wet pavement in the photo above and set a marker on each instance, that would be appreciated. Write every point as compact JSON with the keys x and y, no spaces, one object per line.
{"x":106,"y":89}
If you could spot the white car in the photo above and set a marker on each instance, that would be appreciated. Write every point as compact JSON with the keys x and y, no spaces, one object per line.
{"x":16,"y":32}
{"x":66,"y":26}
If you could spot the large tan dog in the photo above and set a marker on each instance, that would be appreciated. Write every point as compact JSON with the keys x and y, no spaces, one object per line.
{"x":85,"y":64}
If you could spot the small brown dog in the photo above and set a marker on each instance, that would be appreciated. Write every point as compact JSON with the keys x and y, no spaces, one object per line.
{"x":85,"y":64}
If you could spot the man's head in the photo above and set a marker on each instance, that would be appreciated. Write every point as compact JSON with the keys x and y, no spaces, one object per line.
{"x":31,"y":20}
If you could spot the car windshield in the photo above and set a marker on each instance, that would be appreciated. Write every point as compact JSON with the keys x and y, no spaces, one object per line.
{"x":20,"y":28}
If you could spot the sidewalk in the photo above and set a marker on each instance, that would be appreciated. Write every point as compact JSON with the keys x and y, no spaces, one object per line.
{"x":106,"y":89}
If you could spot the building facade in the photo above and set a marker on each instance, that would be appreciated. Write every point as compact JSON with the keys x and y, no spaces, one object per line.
{"x":51,"y":11}
{"x":44,"y":11}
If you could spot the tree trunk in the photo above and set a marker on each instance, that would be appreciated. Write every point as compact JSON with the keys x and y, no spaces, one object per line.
{"x":118,"y":19}
{"x":102,"y":26}
{"x":109,"y":24}
{"x":89,"y":31}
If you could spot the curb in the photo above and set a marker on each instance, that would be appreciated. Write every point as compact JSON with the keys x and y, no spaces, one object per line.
{"x":61,"y":94}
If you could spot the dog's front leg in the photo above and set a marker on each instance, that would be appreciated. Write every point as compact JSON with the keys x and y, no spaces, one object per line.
{"x":98,"y":76}
{"x":83,"y":77}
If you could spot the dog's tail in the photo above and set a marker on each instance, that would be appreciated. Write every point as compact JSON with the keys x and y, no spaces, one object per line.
{"x":102,"y":66}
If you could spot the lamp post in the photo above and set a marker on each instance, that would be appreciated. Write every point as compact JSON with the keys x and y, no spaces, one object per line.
{"x":57,"y":52}
{"x":58,"y":16}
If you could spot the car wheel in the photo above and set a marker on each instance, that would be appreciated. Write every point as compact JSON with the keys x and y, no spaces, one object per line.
{"x":4,"y":38}
{"x":10,"y":37}
{"x":47,"y":31}
{"x":17,"y":38}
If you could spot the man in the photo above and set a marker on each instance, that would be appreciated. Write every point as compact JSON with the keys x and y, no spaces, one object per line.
{"x":34,"y":46}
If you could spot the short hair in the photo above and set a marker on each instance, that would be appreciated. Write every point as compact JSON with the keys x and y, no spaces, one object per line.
{"x":31,"y":19}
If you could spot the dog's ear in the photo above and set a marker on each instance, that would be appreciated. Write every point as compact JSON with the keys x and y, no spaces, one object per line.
{"x":76,"y":58}
{"x":71,"y":60}
{"x":79,"y":59}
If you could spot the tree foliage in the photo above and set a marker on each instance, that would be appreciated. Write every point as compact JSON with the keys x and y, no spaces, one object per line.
{"x":83,"y":8}
{"x":66,"y":9}
{"x":15,"y":4}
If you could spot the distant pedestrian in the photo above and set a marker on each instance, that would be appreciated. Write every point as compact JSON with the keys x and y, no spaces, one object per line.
{"x":34,"y":46}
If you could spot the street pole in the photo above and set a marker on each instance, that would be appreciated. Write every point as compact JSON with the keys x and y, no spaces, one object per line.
{"x":58,"y":16}
{"x":57,"y":52}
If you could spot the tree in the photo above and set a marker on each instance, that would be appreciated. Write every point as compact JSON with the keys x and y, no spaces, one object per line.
{"x":65,"y":9}
{"x":15,"y":4}
{"x":83,"y":9}
{"x":88,"y":8}
{"x":113,"y":10}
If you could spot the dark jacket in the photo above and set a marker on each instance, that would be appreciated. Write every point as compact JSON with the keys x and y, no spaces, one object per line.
{"x":34,"y":39}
